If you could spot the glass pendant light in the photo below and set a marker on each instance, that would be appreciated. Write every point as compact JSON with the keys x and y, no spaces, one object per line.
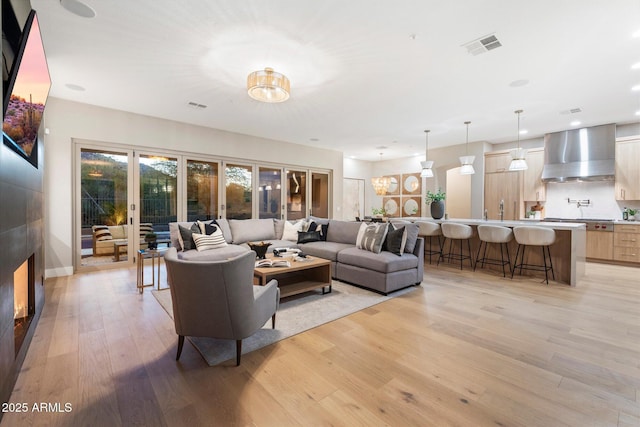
{"x":518,"y":161}
{"x":466,"y":162}
{"x":427,"y":165}
{"x":381,"y":183}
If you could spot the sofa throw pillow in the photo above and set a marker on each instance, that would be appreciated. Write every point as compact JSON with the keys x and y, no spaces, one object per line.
{"x":319,"y":227}
{"x":186,"y":236}
{"x":205,"y":242}
{"x":102,"y":233}
{"x":308,"y":236}
{"x":371,"y":236}
{"x":208,"y":227}
{"x":396,"y":240}
{"x":145,"y":227}
{"x":291,"y":230}
{"x":412,"y":237}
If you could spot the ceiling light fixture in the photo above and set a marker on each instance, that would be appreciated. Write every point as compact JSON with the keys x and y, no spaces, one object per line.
{"x":427,"y":165}
{"x":381,"y":183}
{"x":466,"y":161}
{"x":268,"y":86}
{"x":518,"y":161}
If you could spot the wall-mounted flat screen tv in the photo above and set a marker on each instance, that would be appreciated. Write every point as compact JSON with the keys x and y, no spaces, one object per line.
{"x":27,"y":93}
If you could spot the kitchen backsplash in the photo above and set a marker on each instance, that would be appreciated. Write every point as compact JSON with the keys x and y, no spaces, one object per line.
{"x":601,"y":195}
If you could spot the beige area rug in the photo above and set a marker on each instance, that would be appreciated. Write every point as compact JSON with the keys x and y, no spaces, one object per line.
{"x":296,"y":314}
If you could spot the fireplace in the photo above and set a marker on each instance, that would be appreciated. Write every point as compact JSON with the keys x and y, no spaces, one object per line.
{"x":23,"y":300}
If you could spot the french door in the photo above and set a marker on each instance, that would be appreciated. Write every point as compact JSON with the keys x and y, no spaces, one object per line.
{"x":121,"y":195}
{"x":104,"y":194}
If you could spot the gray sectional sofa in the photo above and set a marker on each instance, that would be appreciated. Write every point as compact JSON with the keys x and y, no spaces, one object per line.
{"x":382,"y":272}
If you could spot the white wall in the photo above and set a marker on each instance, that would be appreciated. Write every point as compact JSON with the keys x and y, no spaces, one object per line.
{"x":601,"y":194}
{"x":68,"y":120}
{"x":445,"y":158}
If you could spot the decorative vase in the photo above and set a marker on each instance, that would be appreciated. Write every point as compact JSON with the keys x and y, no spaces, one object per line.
{"x":437,"y":209}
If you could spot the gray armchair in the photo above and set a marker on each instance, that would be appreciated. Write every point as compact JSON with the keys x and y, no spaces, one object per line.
{"x":217,"y":299}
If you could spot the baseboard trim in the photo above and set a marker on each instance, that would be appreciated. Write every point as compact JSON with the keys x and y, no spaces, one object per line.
{"x":58,"y":272}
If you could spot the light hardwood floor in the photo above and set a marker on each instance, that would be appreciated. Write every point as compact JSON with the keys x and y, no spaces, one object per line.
{"x":466,"y":349}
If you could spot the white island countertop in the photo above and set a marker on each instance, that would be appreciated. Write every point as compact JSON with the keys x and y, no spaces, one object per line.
{"x":569,"y":249}
{"x":472,"y":221}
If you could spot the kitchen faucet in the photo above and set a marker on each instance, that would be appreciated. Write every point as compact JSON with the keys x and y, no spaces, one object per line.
{"x":502,"y":210}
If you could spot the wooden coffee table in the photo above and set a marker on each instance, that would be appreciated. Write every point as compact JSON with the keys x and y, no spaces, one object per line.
{"x":302,"y":276}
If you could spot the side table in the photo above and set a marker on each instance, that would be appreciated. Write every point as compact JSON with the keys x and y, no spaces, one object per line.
{"x":154,"y":255}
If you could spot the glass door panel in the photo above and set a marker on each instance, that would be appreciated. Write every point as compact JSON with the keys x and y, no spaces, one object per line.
{"x":296,"y":194}
{"x":202,"y":190}
{"x":238,"y":199}
{"x":158,"y":193}
{"x":270,"y":193}
{"x":103,"y":200}
{"x":320,"y":194}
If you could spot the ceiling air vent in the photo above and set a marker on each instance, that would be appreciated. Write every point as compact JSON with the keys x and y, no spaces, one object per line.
{"x":196,"y":105}
{"x":571,"y":111}
{"x":482,"y":45}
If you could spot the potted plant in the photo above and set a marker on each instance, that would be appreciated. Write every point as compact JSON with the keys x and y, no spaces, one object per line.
{"x":632,"y":214}
{"x":151,"y":240}
{"x":380,"y":213}
{"x":436,"y":201}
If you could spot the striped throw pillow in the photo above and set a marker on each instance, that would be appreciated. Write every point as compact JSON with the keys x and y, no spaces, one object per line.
{"x":101,"y":232}
{"x":145,"y":227}
{"x":205,"y":242}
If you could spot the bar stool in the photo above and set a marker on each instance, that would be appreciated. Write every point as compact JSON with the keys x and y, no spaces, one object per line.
{"x":430,"y":230}
{"x":494,"y":234}
{"x":460,"y":232}
{"x":534,"y":236}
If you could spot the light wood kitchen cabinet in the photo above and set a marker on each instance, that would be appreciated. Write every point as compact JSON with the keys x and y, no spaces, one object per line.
{"x":534,"y":189}
{"x":505,"y":186}
{"x":599,"y":245}
{"x":626,"y":242}
{"x":497,"y":162}
{"x":627,"y":170}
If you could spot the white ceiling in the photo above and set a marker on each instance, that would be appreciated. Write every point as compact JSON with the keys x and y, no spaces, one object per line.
{"x":364,"y":73}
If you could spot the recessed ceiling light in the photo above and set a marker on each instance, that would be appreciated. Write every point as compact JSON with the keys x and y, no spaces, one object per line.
{"x":78,"y":8}
{"x":636,"y":66}
{"x":635,"y":88}
{"x":381,"y":147}
{"x":523,"y":131}
{"x":638,"y":113}
{"x":75,"y":87}
{"x":314,"y":139}
{"x":575,"y":123}
{"x":352,"y":157}
{"x":412,"y":36}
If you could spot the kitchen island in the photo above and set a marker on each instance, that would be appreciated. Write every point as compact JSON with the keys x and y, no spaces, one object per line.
{"x":567,"y":253}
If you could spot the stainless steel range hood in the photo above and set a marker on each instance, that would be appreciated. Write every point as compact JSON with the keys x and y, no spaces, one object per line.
{"x":586,"y":154}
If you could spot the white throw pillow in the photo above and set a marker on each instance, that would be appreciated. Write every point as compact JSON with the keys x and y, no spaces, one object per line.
{"x":291,"y":230}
